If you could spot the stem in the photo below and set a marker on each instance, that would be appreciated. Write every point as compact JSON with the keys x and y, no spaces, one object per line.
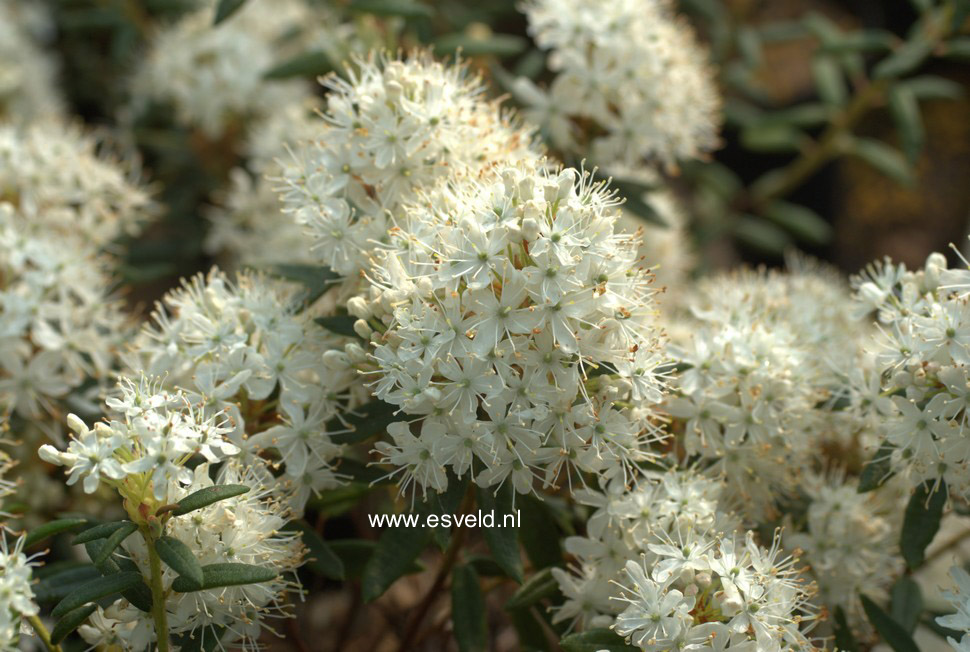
{"x":42,"y":633}
{"x":159,"y":613}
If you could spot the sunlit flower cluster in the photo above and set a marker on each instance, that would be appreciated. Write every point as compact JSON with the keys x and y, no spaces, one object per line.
{"x":16,"y":594}
{"x":392,"y":127}
{"x":634,"y":70}
{"x":520,"y":326}
{"x":922,"y":354}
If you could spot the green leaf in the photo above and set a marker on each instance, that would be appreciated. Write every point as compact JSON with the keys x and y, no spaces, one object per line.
{"x":206,"y":640}
{"x":354,"y":555}
{"x":906,"y":603}
{"x":768,"y":137}
{"x":931,"y":87}
{"x":180,"y":559}
{"x":809,"y":114}
{"x":844,"y":639}
{"x":905,"y":111}
{"x":541,"y":540}
{"x":883,"y":158}
{"x":102,"y":531}
{"x":51,"y":528}
{"x":468,"y":610}
{"x":863,"y":40}
{"x":139,"y":595}
{"x":921,"y":522}
{"x":904,"y":60}
{"x":102,"y":587}
{"x":762,"y":235}
{"x":365,"y":422}
{"x":495,"y":45}
{"x":207,"y":496}
{"x":126,"y":529}
{"x":503,"y":542}
{"x":829,"y":80}
{"x":405,"y":8}
{"x":958,"y":48}
{"x":596,"y":640}
{"x":538,"y":587}
{"x":227,"y":8}
{"x":892,"y":633}
{"x":529,"y":628}
{"x":800,"y":221}
{"x":308,"y":64}
{"x":322,"y":560}
{"x":339,"y":324}
{"x":877,"y":470}
{"x":633,"y":192}
{"x":393,"y":557}
{"x":447,"y":502}
{"x":317,"y":279}
{"x":56,"y":587}
{"x":71,"y":621}
{"x":229,"y":574}
{"x":484,"y":565}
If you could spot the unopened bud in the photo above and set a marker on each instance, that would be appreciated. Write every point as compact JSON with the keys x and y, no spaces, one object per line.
{"x":362,"y":328}
{"x":358,"y":307}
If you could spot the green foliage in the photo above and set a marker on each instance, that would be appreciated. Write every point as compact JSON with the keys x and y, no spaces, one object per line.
{"x":468,"y":610}
{"x":180,"y":559}
{"x":71,"y":621}
{"x":540,"y":586}
{"x":321,"y":559}
{"x":96,"y":589}
{"x":52,"y":528}
{"x":227,"y":574}
{"x":877,"y":470}
{"x":208,"y":496}
{"x":363,"y":423}
{"x":227,"y":8}
{"x":596,"y":640}
{"x":503,"y":542}
{"x":892,"y":633}
{"x":906,"y":603}
{"x":393,"y":557}
{"x":125,"y":530}
{"x":921,"y":522}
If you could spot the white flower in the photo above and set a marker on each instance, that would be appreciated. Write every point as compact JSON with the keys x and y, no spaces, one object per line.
{"x":28,"y":84}
{"x":960,"y":599}
{"x":16,"y":594}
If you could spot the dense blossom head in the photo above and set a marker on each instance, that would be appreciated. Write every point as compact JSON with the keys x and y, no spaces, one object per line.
{"x":246,"y":529}
{"x":764,"y":358}
{"x":520,"y":331}
{"x":922,"y":354}
{"x":245,"y":349}
{"x":16,"y":594}
{"x":393,"y":127}
{"x":632,"y":68}
{"x":59,"y":325}
{"x":214,"y":75}
{"x":60,"y":182}
{"x":28,"y":89}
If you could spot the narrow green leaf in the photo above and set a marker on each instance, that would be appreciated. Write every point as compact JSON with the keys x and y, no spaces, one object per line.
{"x":139,"y":595}
{"x":958,"y":48}
{"x":215,"y":576}
{"x":883,"y":158}
{"x":126,"y":530}
{"x":468,"y":610}
{"x":71,"y":621}
{"x":921,"y":522}
{"x":316,"y":279}
{"x":541,"y":540}
{"x":96,"y":589}
{"x":633,"y":192}
{"x":863,"y":40}
{"x":762,"y":235}
{"x":56,"y":587}
{"x":877,"y":470}
{"x":829,"y":80}
{"x":495,"y":45}
{"x":365,"y":422}
{"x":180,"y":559}
{"x":768,"y":137}
{"x":892,"y":633}
{"x":322,"y":560}
{"x":447,"y":502}
{"x":207,"y":496}
{"x":227,"y":8}
{"x":393,"y":557}
{"x":529,"y":628}
{"x":844,"y":639}
{"x":905,"y":111}
{"x":809,"y":114}
{"x":502,"y":541}
{"x":405,"y":8}
{"x":51,"y":528}
{"x":906,"y":603}
{"x":932,"y":87}
{"x":538,"y":587}
{"x":102,"y":531}
{"x":484,"y":565}
{"x":339,"y":324}
{"x":802,"y":222}
{"x":354,"y":555}
{"x":904,"y":60}
{"x":308,"y":64}
{"x":596,"y":640}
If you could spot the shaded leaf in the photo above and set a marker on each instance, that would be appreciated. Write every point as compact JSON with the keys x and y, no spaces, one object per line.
{"x":596,"y":640}
{"x":180,"y":559}
{"x":317,"y":279}
{"x":102,"y":531}
{"x":227,"y":8}
{"x":538,"y":587}
{"x":883,"y":158}
{"x":771,"y":137}
{"x":56,"y":587}
{"x":762,"y":235}
{"x":904,"y":60}
{"x":905,"y":111}
{"x":367,"y":421}
{"x":844,"y":639}
{"x":931,"y":87}
{"x":96,"y":589}
{"x":541,"y":540}
{"x":503,"y":542}
{"x":71,"y":621}
{"x":802,"y":222}
{"x":393,"y":557}
{"x":921,"y":522}
{"x":207,"y":496}
{"x":497,"y":45}
{"x":468,"y":610}
{"x":829,"y":80}
{"x":339,"y":325}
{"x":227,"y":574}
{"x":892,"y":633}
{"x":126,"y":529}
{"x":308,"y":64}
{"x":323,"y":560}
{"x":51,"y":528}
{"x":405,"y":8}
{"x":202,"y":639}
{"x":906,"y":603}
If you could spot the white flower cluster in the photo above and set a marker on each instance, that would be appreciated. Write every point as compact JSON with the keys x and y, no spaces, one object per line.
{"x":61,"y":183}
{"x":145,"y":447}
{"x":28,"y":89}
{"x":662,"y":507}
{"x":16,"y":594}
{"x":244,"y":349}
{"x":960,"y":599}
{"x":504,"y":299}
{"x":632,"y":68}
{"x":248,"y":227}
{"x":392,"y":127}
{"x":766,"y":356}
{"x":214,"y":75}
{"x":58,"y":324}
{"x":244,"y":529}
{"x":923,"y":354}
{"x":850,"y":541}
